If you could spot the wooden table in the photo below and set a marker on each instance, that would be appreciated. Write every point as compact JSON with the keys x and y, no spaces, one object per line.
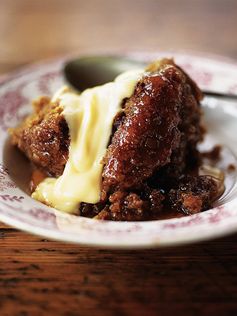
{"x":41,"y":277}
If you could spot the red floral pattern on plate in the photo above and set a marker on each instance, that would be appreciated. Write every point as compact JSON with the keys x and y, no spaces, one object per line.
{"x":10,"y":102}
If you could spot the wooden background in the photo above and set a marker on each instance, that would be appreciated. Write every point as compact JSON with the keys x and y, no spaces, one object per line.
{"x":40,"y":277}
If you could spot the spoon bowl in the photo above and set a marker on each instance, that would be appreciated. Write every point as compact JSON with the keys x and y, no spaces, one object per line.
{"x":97,"y":70}
{"x":91,"y":71}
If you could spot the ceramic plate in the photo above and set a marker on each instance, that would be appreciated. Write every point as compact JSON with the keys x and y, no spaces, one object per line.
{"x":18,"y":209}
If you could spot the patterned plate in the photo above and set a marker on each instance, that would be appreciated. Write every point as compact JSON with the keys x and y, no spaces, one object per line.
{"x":18,"y":209}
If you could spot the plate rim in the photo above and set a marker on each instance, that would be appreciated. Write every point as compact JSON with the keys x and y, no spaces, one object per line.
{"x":56,"y":235}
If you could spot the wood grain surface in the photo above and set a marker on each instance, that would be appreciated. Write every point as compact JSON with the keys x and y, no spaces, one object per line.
{"x":42,"y":277}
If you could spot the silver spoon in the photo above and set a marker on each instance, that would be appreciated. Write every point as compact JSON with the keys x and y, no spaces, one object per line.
{"x":91,"y":71}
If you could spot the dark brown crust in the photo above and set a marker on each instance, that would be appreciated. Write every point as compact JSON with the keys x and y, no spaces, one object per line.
{"x":43,"y":137}
{"x":148,"y":135}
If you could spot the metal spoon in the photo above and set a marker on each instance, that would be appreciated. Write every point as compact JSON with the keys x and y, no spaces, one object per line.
{"x":91,"y":71}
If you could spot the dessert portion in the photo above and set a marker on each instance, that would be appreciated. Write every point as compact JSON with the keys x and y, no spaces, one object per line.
{"x":126,"y":150}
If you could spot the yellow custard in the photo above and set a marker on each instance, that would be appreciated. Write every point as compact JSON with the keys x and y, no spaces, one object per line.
{"x":90,"y":117}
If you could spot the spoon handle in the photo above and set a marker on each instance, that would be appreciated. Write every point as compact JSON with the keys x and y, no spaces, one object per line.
{"x":219,"y":94}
